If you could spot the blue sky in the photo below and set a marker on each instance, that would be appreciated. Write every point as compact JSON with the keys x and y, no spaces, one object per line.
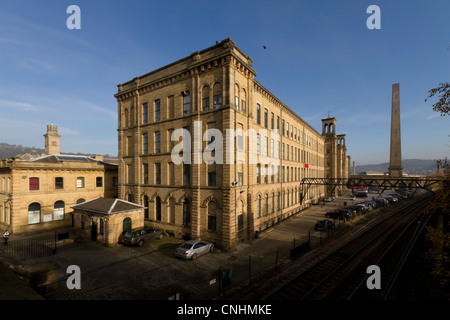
{"x":320,"y":58}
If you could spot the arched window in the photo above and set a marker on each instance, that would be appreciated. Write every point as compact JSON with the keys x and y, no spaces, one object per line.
{"x":158,"y":208}
{"x":186,"y":213}
{"x":243,"y":104}
{"x":58,"y":210}
{"x":258,"y":206}
{"x":205,"y":98}
{"x":171,"y":210}
{"x":81,"y":200}
{"x":126,"y":225}
{"x":146,"y":207}
{"x":217,"y":96}
{"x":273,"y":202}
{"x":34,"y":213}
{"x":212,"y":216}
{"x":266,"y":204}
{"x":278,"y":201}
{"x":102,"y":227}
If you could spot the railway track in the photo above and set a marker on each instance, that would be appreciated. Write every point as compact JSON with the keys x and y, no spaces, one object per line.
{"x":341,"y":274}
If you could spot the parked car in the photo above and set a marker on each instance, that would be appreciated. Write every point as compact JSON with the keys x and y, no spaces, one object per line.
{"x":136,"y":237}
{"x":372,"y":204}
{"x":324,"y":225}
{"x":374,"y":190}
{"x":381,"y":201}
{"x":328,"y":199}
{"x":192,"y":249}
{"x":352,"y":197}
{"x":389,"y":198}
{"x":336,"y":214}
{"x":361,"y":194}
{"x":360,"y":207}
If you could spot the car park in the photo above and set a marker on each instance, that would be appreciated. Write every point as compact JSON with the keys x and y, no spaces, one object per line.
{"x":361,"y":208}
{"x":324,"y":225}
{"x":371,"y":204}
{"x":381,"y":201}
{"x":136,"y":237}
{"x":341,"y":214}
{"x":361,"y":194}
{"x":192,"y":249}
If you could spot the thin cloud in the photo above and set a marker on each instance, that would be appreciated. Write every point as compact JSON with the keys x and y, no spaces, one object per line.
{"x":432,"y":116}
{"x":37,"y":66}
{"x":18,"y":105}
{"x":67,"y":132}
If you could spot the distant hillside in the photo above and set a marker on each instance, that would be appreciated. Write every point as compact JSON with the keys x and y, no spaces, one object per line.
{"x":410,"y":166}
{"x":11,"y":150}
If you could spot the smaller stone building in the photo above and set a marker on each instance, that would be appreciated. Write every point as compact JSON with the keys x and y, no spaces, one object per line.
{"x":37,"y":191}
{"x":104,"y":220}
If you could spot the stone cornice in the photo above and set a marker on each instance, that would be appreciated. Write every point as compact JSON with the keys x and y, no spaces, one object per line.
{"x":198,"y":62}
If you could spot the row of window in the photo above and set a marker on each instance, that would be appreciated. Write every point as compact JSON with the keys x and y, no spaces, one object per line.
{"x":186,"y":102}
{"x":34,"y":212}
{"x":300,"y":137}
{"x":171,"y":174}
{"x":59,"y":182}
{"x":186,"y":218}
{"x":292,"y":174}
{"x":294,"y":133}
{"x":295,"y":174}
{"x":290,"y":198}
{"x":291,"y":153}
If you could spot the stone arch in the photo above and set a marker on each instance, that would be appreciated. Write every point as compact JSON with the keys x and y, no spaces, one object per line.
{"x":128,"y":196}
{"x":208,"y":200}
{"x":243,"y":199}
{"x":156,"y":194}
{"x":183,"y":197}
{"x":168,"y":196}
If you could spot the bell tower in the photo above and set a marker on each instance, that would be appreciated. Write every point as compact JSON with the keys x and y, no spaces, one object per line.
{"x":52,"y":139}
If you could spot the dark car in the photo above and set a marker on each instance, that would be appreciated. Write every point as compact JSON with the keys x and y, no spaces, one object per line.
{"x":341,"y":214}
{"x":324,"y":225}
{"x":136,"y":237}
{"x":381,"y":201}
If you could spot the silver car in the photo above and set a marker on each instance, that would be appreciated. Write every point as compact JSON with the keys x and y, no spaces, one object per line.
{"x":193,"y":248}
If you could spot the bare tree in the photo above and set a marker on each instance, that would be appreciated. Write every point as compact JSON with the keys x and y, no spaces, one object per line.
{"x":443,"y":105}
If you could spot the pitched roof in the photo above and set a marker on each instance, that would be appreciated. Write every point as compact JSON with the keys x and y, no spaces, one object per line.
{"x":106,"y":206}
{"x":55,"y":158}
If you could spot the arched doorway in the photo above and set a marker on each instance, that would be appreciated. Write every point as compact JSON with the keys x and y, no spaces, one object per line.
{"x":126,"y":226}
